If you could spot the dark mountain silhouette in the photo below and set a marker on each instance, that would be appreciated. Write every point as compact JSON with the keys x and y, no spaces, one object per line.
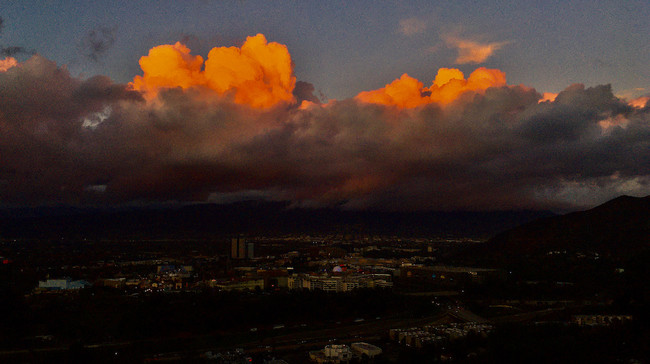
{"x":250,"y":217}
{"x":620,"y":227}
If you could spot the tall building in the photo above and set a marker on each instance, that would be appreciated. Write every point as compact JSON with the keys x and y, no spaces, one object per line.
{"x":239,"y":249}
{"x":234,"y":247}
{"x":241,"y":254}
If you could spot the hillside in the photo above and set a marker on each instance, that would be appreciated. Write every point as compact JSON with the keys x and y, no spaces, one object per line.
{"x":619,"y":227}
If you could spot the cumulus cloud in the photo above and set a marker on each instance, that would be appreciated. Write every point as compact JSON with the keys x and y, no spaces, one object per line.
{"x":448,"y":85}
{"x":411,"y":26}
{"x":485,"y":145}
{"x":258,"y":74}
{"x":470,"y":51}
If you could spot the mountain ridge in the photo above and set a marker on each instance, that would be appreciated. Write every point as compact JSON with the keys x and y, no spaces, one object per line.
{"x":617,"y":227}
{"x":254,"y":217}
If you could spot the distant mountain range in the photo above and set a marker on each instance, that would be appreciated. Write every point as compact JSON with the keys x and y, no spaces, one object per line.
{"x":250,"y":217}
{"x":620,"y":227}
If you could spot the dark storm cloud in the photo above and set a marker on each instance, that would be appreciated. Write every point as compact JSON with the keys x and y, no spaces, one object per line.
{"x":12,"y":51}
{"x":45,"y":152}
{"x":70,"y":140}
{"x":304,"y":91}
{"x":98,"y":41}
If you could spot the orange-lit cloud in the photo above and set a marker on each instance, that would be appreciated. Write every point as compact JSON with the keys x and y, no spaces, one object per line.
{"x":406,"y":92}
{"x":548,"y":96}
{"x":7,"y":63}
{"x":449,"y":84}
{"x":470,"y":51}
{"x":259,"y":74}
{"x":613,"y":121}
{"x":640,"y":102}
{"x":169,"y":66}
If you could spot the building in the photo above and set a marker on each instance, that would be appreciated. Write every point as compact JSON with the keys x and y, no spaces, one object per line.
{"x":600,"y":320}
{"x":362,"y":348}
{"x":415,"y":277}
{"x":331,"y":284}
{"x":62,"y":284}
{"x":349,"y":286}
{"x":239,"y":285}
{"x":338,"y":353}
{"x":332,"y":354}
{"x":114,"y":282}
{"x":337,"y":283}
{"x":239,"y":249}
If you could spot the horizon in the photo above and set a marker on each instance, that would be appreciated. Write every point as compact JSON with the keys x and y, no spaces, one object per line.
{"x":288,"y":206}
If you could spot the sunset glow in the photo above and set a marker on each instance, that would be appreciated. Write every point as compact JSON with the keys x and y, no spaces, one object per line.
{"x":548,"y":96}
{"x":259,"y":74}
{"x":640,"y":102}
{"x":7,"y":63}
{"x":448,"y":85}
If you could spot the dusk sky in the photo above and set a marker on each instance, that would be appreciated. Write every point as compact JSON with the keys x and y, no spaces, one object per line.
{"x":366,"y":104}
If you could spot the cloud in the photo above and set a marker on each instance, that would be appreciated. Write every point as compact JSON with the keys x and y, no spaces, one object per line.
{"x":548,"y":96}
{"x":98,"y":41}
{"x":304,"y":91}
{"x":12,"y":51}
{"x":640,"y":102}
{"x":481,"y":144}
{"x":448,"y":85}
{"x":411,"y":26}
{"x":7,"y":63}
{"x":259,"y":74}
{"x":45,"y":154}
{"x":470,"y":51}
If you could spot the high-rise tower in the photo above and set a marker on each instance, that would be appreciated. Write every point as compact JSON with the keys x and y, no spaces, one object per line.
{"x":239,"y":249}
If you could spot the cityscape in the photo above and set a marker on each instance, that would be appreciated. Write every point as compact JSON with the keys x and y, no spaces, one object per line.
{"x":339,"y":297}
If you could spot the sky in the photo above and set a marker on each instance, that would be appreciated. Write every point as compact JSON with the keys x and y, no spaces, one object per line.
{"x":403,"y":105}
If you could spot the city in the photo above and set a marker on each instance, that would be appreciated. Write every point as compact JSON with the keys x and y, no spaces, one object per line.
{"x":314,"y":297}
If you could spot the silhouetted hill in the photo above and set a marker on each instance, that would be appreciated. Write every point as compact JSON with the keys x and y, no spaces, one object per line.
{"x":620,"y":227}
{"x":251,"y":217}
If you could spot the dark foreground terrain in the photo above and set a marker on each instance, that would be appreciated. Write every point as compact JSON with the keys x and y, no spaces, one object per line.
{"x":567,"y":289}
